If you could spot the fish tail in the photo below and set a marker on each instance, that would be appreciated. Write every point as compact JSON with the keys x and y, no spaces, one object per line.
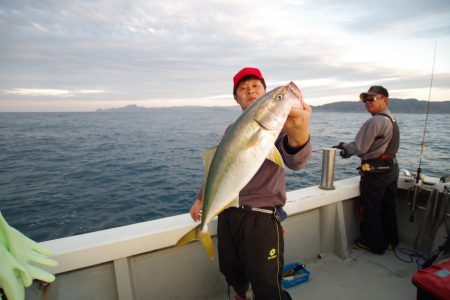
{"x":197,"y":234}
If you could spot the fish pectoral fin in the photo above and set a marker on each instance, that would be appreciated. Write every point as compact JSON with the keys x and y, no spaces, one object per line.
{"x":275,"y":156}
{"x":197,"y":234}
{"x":255,"y":139}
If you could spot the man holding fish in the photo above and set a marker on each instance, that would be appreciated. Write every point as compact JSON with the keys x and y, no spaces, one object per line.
{"x":245,"y":184}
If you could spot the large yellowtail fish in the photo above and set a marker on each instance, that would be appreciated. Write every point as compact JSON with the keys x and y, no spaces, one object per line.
{"x":241,"y":152}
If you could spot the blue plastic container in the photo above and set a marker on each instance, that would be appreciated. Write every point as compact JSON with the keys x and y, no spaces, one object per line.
{"x":295,"y":278}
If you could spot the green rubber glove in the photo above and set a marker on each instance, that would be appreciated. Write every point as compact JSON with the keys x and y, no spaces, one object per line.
{"x":26,"y":251}
{"x":10,"y":279}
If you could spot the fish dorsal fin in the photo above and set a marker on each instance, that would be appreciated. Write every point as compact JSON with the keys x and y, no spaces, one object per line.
{"x":207,"y":157}
{"x":275,"y":156}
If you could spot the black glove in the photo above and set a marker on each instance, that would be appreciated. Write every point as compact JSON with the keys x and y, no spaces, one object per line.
{"x":345,"y":154}
{"x":340,"y":146}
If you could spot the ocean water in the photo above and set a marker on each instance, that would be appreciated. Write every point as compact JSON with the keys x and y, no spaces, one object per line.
{"x":63,"y":174}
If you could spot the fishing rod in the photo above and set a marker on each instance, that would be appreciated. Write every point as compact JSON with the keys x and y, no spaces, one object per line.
{"x":422,"y":145}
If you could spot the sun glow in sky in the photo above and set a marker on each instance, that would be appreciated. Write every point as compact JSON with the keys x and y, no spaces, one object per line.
{"x":84,"y":55}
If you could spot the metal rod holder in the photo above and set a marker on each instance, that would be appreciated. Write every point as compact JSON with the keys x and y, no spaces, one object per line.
{"x":328,"y":158}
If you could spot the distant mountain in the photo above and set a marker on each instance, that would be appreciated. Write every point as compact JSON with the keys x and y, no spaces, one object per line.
{"x":409,"y":106}
{"x":135,"y":108}
{"x":128,"y":108}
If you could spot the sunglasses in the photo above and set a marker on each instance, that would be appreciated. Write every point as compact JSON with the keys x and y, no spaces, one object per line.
{"x":371,"y":99}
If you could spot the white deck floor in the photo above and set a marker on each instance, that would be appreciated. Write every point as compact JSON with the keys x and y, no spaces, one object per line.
{"x":363,"y":276}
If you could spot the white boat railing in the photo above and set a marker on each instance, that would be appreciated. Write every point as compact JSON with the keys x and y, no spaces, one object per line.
{"x":93,"y":248}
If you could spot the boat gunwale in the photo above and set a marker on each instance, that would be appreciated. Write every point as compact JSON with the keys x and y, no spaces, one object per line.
{"x":89,"y":249}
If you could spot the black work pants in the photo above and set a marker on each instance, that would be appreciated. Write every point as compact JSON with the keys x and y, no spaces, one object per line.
{"x":378,"y":210}
{"x":251,"y":248}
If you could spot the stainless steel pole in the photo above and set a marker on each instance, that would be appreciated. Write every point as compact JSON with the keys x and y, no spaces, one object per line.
{"x":328,"y":158}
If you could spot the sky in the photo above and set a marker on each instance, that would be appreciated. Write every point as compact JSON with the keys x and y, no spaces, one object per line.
{"x":58,"y":55}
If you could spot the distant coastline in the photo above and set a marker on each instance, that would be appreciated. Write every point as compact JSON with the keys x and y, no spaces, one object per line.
{"x":408,"y":106}
{"x":135,"y":108}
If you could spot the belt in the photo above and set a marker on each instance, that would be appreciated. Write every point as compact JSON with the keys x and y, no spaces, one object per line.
{"x":265,"y":210}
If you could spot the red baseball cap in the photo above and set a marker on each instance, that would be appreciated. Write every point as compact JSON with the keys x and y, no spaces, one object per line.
{"x":244,"y":73}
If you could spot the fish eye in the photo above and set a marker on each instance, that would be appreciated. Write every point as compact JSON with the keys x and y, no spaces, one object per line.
{"x":279,"y":97}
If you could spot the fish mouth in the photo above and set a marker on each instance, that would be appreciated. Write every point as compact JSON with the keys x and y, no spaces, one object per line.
{"x":295,"y":90}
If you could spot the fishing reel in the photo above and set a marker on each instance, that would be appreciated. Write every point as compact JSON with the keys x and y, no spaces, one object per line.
{"x":412,"y":175}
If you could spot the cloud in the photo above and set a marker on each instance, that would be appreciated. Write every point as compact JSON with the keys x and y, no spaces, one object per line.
{"x":50,"y":92}
{"x":395,"y":17}
{"x":92,"y":91}
{"x":40,"y":92}
{"x":433,"y":32}
{"x":128,"y":50}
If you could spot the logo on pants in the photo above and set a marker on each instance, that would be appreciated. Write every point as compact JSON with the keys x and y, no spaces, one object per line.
{"x":272,"y":254}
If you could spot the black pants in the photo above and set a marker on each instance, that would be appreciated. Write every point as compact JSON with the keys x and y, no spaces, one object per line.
{"x":378,"y":210}
{"x":251,"y":248}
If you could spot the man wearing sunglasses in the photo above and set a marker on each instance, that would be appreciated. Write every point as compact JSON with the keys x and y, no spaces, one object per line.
{"x":376,"y":143}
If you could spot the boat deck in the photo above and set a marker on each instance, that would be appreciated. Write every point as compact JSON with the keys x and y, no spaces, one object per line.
{"x":361,"y":276}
